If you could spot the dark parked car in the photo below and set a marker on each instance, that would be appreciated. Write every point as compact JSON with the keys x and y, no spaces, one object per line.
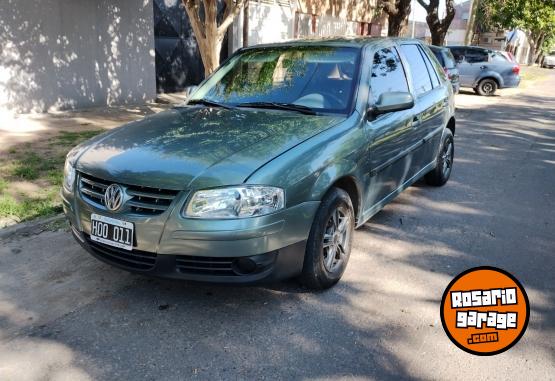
{"x":485,"y":70}
{"x":449,"y":65}
{"x":270,"y":165}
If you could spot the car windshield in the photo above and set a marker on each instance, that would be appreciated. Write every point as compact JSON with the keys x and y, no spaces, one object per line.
{"x":294,"y":78}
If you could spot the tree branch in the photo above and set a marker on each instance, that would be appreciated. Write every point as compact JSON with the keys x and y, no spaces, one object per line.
{"x":390,"y":7}
{"x":424,"y":5}
{"x":229,"y":16}
{"x":192,"y":8}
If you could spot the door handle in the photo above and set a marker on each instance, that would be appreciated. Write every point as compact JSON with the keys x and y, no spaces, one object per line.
{"x":415,"y":121}
{"x":483,"y":67}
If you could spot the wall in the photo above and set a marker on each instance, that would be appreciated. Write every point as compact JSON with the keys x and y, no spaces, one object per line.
{"x":281,"y":20}
{"x":60,"y":54}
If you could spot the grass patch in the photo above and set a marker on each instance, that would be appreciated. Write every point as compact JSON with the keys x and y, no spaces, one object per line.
{"x":68,"y":138}
{"x":38,"y":165}
{"x":532,"y":73}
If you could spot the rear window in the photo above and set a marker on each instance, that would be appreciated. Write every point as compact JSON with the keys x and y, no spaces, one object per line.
{"x":448,"y":60}
{"x":498,"y":57}
{"x":439,"y":55}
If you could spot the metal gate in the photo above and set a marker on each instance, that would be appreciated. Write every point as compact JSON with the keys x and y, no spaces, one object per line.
{"x":178,"y":62}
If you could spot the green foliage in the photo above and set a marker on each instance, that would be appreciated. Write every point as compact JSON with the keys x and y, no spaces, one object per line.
{"x":530,"y":15}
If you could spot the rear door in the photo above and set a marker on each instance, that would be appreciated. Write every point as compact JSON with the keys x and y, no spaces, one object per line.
{"x":475,"y":62}
{"x":431,"y":95}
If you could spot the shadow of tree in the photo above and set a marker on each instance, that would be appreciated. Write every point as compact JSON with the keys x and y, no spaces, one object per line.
{"x":55,"y":63}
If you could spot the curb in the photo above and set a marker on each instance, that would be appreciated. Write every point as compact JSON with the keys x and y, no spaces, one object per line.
{"x":28,"y":227}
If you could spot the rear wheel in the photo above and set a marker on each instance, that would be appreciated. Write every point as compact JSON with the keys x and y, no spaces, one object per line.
{"x":486,"y":87}
{"x":444,"y":162}
{"x":329,"y":243}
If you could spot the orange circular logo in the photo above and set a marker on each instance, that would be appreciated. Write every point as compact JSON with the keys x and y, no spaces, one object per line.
{"x":485,"y":311}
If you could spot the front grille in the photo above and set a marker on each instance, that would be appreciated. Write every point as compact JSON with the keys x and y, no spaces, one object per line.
{"x":136,"y":259}
{"x":144,"y":200}
{"x":204,"y":265}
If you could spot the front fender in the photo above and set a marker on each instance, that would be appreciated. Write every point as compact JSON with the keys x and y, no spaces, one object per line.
{"x":307,"y":171}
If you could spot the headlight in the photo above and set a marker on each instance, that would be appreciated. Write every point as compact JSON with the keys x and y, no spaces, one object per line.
{"x":69,"y":176}
{"x":235,"y":202}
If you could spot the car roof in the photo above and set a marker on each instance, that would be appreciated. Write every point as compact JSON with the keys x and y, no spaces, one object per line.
{"x":467,"y":46}
{"x":438,"y":48}
{"x":356,"y":42}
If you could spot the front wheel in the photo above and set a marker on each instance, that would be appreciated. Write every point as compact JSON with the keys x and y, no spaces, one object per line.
{"x":329,"y":242}
{"x":444,"y":161}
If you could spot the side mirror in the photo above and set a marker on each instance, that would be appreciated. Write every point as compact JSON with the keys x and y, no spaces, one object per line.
{"x":390,"y":102}
{"x":189,"y":90}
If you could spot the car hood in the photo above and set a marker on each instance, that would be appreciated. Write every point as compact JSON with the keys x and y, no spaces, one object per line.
{"x":213,"y":146}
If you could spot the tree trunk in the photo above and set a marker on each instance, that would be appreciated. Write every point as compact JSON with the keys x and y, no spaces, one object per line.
{"x":246,"y":25}
{"x":438,"y":28}
{"x":397,"y":16}
{"x":208,"y":33}
{"x":395,"y":25}
{"x":438,"y":37}
{"x":471,"y":24}
{"x":538,"y":48}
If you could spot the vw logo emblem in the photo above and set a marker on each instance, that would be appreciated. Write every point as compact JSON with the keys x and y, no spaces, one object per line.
{"x":113,"y":197}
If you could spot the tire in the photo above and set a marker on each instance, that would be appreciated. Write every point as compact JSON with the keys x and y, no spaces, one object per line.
{"x":487,"y":87}
{"x":444,"y":161}
{"x":328,"y":248}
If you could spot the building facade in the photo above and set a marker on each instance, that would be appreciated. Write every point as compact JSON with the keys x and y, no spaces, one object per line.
{"x":64,"y":54}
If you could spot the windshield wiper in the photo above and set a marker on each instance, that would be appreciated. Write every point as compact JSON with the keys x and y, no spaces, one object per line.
{"x":207,"y":102}
{"x":280,"y":106}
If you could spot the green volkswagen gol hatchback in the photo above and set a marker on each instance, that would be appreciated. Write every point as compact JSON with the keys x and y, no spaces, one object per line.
{"x":270,"y":165}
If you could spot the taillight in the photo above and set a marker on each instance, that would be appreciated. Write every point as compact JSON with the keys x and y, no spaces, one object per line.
{"x":516,"y":69}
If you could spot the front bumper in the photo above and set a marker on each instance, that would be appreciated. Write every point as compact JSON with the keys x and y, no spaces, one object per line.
{"x":250,"y":250}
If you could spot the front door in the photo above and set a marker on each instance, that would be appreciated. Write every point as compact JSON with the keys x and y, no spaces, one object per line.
{"x":390,"y":135}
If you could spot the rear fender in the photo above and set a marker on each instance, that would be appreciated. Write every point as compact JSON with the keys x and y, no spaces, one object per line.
{"x":490,"y":74}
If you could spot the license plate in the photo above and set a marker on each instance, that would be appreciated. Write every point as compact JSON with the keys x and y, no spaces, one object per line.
{"x":112,"y":231}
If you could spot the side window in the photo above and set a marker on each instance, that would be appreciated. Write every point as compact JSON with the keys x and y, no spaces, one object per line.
{"x":458,"y":54}
{"x":431,"y":69}
{"x":387,"y":73}
{"x":476,"y":55}
{"x":420,"y":78}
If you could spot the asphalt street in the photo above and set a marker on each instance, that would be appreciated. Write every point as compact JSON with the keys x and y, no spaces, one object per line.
{"x":64,"y":315}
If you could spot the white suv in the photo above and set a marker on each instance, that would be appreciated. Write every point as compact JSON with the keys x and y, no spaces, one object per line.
{"x":549,"y":60}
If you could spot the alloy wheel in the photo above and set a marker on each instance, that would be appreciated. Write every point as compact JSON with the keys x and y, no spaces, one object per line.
{"x":447,"y":158}
{"x":487,"y":88}
{"x":337,"y":238}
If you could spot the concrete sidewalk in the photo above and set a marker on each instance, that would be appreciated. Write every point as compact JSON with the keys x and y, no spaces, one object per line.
{"x":26,"y":128}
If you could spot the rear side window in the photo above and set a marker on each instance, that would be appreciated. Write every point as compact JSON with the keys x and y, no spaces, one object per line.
{"x":387,"y":73}
{"x":439,"y":56}
{"x":431,"y":69}
{"x":458,"y":53}
{"x":474,"y":55}
{"x":420,"y":78}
